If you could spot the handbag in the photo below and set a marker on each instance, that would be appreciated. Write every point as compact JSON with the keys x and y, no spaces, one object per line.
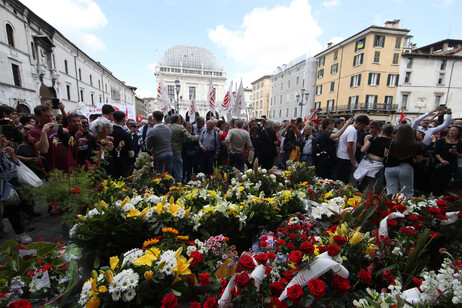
{"x":8,"y":193}
{"x":27,"y":176}
{"x":295,"y":154}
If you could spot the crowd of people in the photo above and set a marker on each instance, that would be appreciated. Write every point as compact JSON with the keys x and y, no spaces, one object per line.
{"x":423,"y":158}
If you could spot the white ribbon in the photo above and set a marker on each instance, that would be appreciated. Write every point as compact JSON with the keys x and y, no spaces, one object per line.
{"x":321,"y":264}
{"x":383,"y":227}
{"x":452,"y":218}
{"x":412,"y":296}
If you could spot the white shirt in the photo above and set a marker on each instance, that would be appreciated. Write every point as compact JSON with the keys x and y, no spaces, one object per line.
{"x":349,"y":135}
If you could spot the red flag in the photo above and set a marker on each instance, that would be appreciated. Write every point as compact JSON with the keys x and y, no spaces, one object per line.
{"x":304,"y":120}
{"x":126,"y":112}
{"x":402,"y":116}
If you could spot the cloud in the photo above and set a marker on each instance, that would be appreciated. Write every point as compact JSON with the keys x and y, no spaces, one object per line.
{"x":336,"y":40}
{"x":269,"y":37}
{"x":152,"y":67}
{"x":446,"y":3}
{"x":75,"y":19}
{"x":331,"y":3}
{"x":143,"y":93}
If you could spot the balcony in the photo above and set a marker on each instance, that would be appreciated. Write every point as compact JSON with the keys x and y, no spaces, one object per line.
{"x":373,"y":107}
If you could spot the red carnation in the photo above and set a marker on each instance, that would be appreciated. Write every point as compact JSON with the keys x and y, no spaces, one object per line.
{"x":204,"y":279}
{"x":340,"y":284}
{"x":307,"y":247}
{"x":289,"y":274}
{"x":292,"y":236}
{"x":317,"y":288}
{"x":241,"y":280}
{"x":332,"y":250}
{"x":433,"y":210}
{"x":22,"y":303}
{"x":296,"y":256}
{"x":392,"y":222}
{"x":322,"y":249}
{"x":275,"y":302}
{"x":247,"y":263}
{"x":364,"y":276}
{"x":169,"y":301}
{"x":261,"y":258}
{"x":340,"y":240}
{"x":441,"y":217}
{"x":276,"y":288}
{"x":295,"y":293}
{"x":263,"y":243}
{"x":196,"y":257}
{"x":271,"y":255}
{"x":290,"y":246}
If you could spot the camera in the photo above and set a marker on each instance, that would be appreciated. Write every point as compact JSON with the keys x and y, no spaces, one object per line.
{"x":55,"y":102}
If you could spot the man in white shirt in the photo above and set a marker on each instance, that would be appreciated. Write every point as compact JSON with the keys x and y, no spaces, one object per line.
{"x":424,"y":122}
{"x":346,"y":159}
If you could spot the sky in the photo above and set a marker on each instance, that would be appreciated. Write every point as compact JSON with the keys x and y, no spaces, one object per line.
{"x":250,"y":38}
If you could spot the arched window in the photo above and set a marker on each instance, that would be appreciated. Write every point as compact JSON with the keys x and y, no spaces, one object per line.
{"x":10,"y":35}
{"x":65,"y":67}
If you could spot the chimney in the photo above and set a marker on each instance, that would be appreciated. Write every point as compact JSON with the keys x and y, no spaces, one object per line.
{"x":392,"y":23}
{"x":330,"y":44}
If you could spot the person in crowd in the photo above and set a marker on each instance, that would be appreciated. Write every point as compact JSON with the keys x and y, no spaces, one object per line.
{"x":369,"y":173}
{"x":94,"y":116}
{"x":307,"y":149}
{"x":159,"y":144}
{"x":339,"y":123}
{"x":179,"y":135}
{"x":144,"y":132}
{"x":238,"y":144}
{"x":209,"y":144}
{"x":26,"y":154}
{"x":86,"y":126}
{"x":101,"y":146}
{"x":27,"y":119}
{"x":447,"y":151}
{"x":189,"y":154}
{"x":10,"y":122}
{"x":400,"y":154}
{"x":422,"y":123}
{"x":123,"y":152}
{"x":254,"y":138}
{"x":222,"y":156}
{"x":325,"y":147}
{"x":136,"y":140}
{"x":346,"y":159}
{"x":268,"y":143}
{"x":199,"y":126}
{"x":48,"y":140}
{"x":106,"y":116}
{"x":80,"y":144}
{"x":59,"y":119}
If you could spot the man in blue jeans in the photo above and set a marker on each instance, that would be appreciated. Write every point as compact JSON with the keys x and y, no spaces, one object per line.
{"x":160,"y":145}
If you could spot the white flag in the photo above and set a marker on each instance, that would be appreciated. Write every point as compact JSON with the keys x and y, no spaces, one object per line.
{"x":192,"y":110}
{"x":211,"y":96}
{"x":162,"y":97}
{"x":228,"y":102}
{"x":239,"y":105}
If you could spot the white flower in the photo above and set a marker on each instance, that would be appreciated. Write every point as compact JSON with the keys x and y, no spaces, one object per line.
{"x":132,"y":255}
{"x":92,"y":213}
{"x":116,"y":295}
{"x":127,"y":207}
{"x":244,"y":177}
{"x":85,"y":294}
{"x":129,"y":295}
{"x":153,"y":199}
{"x":137,"y":199}
{"x":264,"y":171}
{"x":73,"y":230}
{"x":273,"y":177}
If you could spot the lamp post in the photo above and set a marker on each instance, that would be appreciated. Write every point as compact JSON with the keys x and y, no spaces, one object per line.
{"x":302,"y":99}
{"x":177,"y":102}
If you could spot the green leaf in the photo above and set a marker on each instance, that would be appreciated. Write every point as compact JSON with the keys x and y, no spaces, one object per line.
{"x":97,"y":262}
{"x":175,"y":292}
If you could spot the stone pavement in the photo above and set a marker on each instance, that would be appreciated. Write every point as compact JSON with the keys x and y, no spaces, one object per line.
{"x":45,"y":226}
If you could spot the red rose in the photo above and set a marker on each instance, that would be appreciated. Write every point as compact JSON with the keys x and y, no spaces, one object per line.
{"x":261,"y":258}
{"x":275,"y":302}
{"x":292,"y":236}
{"x":263,"y":243}
{"x":317,"y":288}
{"x":364,"y":276}
{"x":247,"y":263}
{"x":267,"y":270}
{"x":196,"y":257}
{"x":340,"y":240}
{"x":388,"y":276}
{"x":241,"y":280}
{"x":24,"y":303}
{"x":211,"y":303}
{"x":441,"y":217}
{"x":281,"y":242}
{"x":433,"y":235}
{"x":271,"y":255}
{"x":296,"y":256}
{"x":441,"y":203}
{"x":341,"y":285}
{"x":307,"y":247}
{"x":392,"y":223}
{"x":322,"y":249}
{"x":401,"y":208}
{"x":169,"y":301}
{"x":263,"y":238}
{"x":290,"y":246}
{"x":433,"y":210}
{"x":303,"y":236}
{"x":295,"y":293}
{"x":332,"y":250}
{"x":276,"y":288}
{"x":75,"y":190}
{"x":204,"y":279}
{"x":413,"y":217}
{"x":195,"y":305}
{"x":289,"y":274}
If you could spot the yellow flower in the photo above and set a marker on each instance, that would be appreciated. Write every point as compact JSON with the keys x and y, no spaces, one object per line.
{"x":170,"y":230}
{"x":355,"y":201}
{"x":369,"y":249}
{"x":328,"y":195}
{"x":148,"y":275}
{"x":182,"y":237}
{"x":157,"y":181}
{"x":151,"y":241}
{"x":186,"y":214}
{"x":71,"y":141}
{"x":103,"y":204}
{"x":159,"y":208}
{"x":102,"y":289}
{"x":241,"y":188}
{"x":133,"y":213}
{"x":149,"y":256}
{"x":119,"y":184}
{"x":131,"y":176}
{"x":93,"y":302}
{"x":109,"y":275}
{"x":82,"y":218}
{"x":114,"y":262}
{"x":212,"y":193}
{"x":174,"y":208}
{"x":356,"y":238}
{"x":182,"y":267}
{"x":124,"y":202}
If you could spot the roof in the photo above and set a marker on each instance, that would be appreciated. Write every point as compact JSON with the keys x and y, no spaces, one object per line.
{"x":443,"y":47}
{"x":190,"y":57}
{"x":261,"y":78}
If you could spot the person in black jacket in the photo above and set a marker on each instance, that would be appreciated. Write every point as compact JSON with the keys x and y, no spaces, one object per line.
{"x":123,"y":148}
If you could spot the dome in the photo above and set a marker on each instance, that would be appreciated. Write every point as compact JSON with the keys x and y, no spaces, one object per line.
{"x":190,"y":57}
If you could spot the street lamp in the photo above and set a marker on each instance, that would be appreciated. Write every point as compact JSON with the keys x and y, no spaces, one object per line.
{"x":302,"y":100}
{"x":177,"y":103}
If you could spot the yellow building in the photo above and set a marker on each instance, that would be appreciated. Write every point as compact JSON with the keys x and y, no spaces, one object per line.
{"x":360,"y":74}
{"x":261,"y":93}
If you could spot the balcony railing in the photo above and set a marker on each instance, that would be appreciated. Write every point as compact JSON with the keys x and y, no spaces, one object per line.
{"x":360,"y":107}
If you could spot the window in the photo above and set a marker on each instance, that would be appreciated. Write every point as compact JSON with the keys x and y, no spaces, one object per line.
{"x":68,"y":92}
{"x":92,"y":99}
{"x":297,"y":80}
{"x":282,"y":85}
{"x":398,"y":43}
{"x":388,"y":101}
{"x":355,"y":81}
{"x":99,"y":84}
{"x":334,"y":68}
{"x":91,"y":80}
{"x":317,"y":105}
{"x":377,"y":56}
{"x":280,"y":99}
{"x":288,"y":83}
{"x":374,"y":79}
{"x":441,"y":79}
{"x":261,"y":104}
{"x":335,"y":55}
{"x":409,"y":62}
{"x":81,"y":95}
{"x":360,"y":44}
{"x":171,"y":91}
{"x":379,"y":41}
{"x":256,"y":95}
{"x":395,"y":58}
{"x":353,"y":102}
{"x":443,"y":65}
{"x":288,"y":98}
{"x":392,"y":80}
{"x":321,"y":73}
{"x":287,"y":112}
{"x":332,"y":86}
{"x":322,"y":61}
{"x":10,"y":35}
{"x":100,"y":99}
{"x":105,"y":86}
{"x":80,"y":74}
{"x":280,"y":111}
{"x":66,"y":69}
{"x":371,"y":101}
{"x":437,"y":99}
{"x":330,"y":105}
{"x":295,"y":112}
{"x":358,"y":59}
{"x":404,"y":101}
{"x":319,"y":90}
{"x":16,"y":75}
{"x":32,"y":48}
{"x":192,"y":92}
{"x":261,"y":93}
{"x":407,"y":77}
{"x":261,"y":84}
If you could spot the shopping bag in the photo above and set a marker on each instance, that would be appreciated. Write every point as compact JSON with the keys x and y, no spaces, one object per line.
{"x":27,"y":176}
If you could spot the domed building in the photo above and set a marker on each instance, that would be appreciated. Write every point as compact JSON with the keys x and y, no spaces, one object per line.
{"x":193,"y":67}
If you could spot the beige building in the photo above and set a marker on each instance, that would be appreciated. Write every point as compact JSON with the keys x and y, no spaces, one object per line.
{"x":360,"y":74}
{"x":261,"y":94}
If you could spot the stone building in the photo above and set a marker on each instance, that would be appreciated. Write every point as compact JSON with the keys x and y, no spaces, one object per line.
{"x":261,"y":95}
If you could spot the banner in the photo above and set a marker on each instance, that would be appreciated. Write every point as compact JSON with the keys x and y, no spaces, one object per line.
{"x":192,"y":110}
{"x":240,"y":103}
{"x":228,"y":102}
{"x":211,"y":96}
{"x":163,"y":100}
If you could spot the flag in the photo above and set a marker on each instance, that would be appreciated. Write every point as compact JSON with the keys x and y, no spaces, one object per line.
{"x":239,"y":105}
{"x":211,"y":96}
{"x":162,"y":97}
{"x":228,"y":102}
{"x":192,"y":110}
{"x":403,"y":117}
{"x":314,"y":115}
{"x":126,"y":112}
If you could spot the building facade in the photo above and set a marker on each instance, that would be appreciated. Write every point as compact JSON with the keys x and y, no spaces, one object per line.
{"x":194,"y":67}
{"x":360,"y":74}
{"x":261,"y":95}
{"x":430,"y":76}
{"x":39,"y":63}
